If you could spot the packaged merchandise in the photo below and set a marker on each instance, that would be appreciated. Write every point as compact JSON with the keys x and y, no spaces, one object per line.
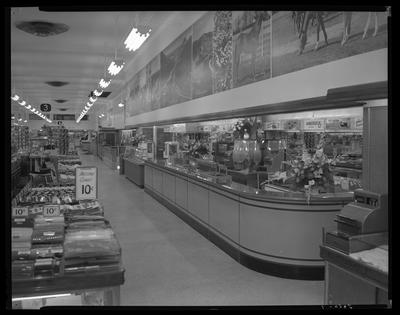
{"x":48,"y":234}
{"x":47,"y":250}
{"x":47,"y":267}
{"x":90,"y":243}
{"x":22,"y":269}
{"x":41,"y":221}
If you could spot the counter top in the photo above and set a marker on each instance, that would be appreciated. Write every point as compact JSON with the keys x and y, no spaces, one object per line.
{"x":352,"y":264}
{"x":274,"y":192}
{"x":136,"y":161}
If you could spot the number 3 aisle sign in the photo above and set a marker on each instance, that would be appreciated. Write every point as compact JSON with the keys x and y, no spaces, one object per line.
{"x":86,"y":183}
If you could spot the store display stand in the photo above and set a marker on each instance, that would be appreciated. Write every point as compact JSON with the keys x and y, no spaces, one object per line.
{"x":107,"y":282}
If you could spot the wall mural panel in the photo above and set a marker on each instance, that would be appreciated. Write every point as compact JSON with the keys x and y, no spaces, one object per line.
{"x":176,"y":66}
{"x":302,"y":39}
{"x":251,"y":46}
{"x":132,"y":106}
{"x":202,"y":56}
{"x":221,"y":65}
{"x":226,"y":49}
{"x":155,"y":92}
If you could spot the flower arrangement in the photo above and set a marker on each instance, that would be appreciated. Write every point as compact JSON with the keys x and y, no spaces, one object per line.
{"x":311,"y":169}
{"x":246,"y":128}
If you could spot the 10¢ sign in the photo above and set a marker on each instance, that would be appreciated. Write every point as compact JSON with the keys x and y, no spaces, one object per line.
{"x":86,"y":183}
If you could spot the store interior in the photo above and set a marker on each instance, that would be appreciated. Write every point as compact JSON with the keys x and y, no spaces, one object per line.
{"x":271,"y":191}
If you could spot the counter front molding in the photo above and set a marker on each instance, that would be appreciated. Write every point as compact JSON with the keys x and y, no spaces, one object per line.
{"x":276,"y":233}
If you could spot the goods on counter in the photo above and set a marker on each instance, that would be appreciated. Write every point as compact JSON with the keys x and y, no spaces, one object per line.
{"x":47,"y":267}
{"x":91,"y":249}
{"x":22,"y":269}
{"x":78,"y":240}
{"x":54,"y":195}
{"x":48,"y":234}
{"x":21,"y":238}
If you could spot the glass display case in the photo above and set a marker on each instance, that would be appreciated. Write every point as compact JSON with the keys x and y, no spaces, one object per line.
{"x":313,"y":152}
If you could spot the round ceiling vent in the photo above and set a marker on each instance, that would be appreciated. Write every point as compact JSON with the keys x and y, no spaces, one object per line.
{"x":56,"y":83}
{"x":42,"y":28}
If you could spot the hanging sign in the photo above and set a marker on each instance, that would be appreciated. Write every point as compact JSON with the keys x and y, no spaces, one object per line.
{"x":86,"y":183}
{"x":358,"y":123}
{"x":314,"y":124}
{"x":338,"y":123}
{"x":45,"y":107}
{"x":272,"y":125}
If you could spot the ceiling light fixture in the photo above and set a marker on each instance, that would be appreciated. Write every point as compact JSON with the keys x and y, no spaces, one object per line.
{"x":91,"y":99}
{"x":104,"y":82}
{"x":97,"y":93}
{"x":115,"y":66}
{"x":15,"y":97}
{"x":22,"y":103}
{"x":28,"y":106}
{"x":135,"y":39}
{"x":25,"y":121}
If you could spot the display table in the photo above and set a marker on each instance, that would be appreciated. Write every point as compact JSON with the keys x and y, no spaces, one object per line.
{"x":276,"y":233}
{"x":134,"y":171}
{"x":106,"y":283}
{"x":350,"y":281}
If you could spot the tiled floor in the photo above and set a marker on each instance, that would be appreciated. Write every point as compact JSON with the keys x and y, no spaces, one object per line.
{"x":168,"y":263}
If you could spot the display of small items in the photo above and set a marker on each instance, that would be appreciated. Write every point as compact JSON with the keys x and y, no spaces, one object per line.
{"x":79,"y":239}
{"x":53,"y":195}
{"x":58,"y":137}
{"x":19,"y":138}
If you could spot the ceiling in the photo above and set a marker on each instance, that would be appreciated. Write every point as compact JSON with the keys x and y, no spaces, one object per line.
{"x":80,"y":55}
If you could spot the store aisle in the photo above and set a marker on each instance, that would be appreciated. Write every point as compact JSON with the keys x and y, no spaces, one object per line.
{"x":169,"y":263}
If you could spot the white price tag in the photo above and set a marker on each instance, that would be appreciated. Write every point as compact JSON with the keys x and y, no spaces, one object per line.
{"x":20,"y":212}
{"x":51,"y":210}
{"x":86,"y":183}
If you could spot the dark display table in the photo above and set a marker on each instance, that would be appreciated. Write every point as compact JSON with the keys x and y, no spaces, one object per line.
{"x":134,"y":171}
{"x":107,"y":283}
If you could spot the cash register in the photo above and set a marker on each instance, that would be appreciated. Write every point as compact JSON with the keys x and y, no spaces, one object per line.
{"x":361,"y":224}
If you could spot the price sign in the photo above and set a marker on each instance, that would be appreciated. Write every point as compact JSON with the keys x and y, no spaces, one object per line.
{"x":20,"y":212}
{"x":86,"y":183}
{"x":51,"y":210}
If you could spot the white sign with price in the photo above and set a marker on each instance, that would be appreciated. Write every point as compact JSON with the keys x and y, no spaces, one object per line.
{"x":86,"y":183}
{"x":51,"y":210}
{"x":19,"y":211}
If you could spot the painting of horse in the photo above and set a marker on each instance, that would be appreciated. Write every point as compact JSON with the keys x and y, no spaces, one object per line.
{"x":251,"y":46}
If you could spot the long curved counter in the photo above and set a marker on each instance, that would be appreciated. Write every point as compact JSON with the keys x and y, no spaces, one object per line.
{"x":276,"y":233}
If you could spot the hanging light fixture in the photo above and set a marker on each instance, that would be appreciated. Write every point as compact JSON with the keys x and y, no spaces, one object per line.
{"x":135,"y":39}
{"x":22,"y":103}
{"x":115,"y":66}
{"x":93,"y":99}
{"x":15,"y":97}
{"x":97,"y":92}
{"x":28,"y":106}
{"x":104,"y":82}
